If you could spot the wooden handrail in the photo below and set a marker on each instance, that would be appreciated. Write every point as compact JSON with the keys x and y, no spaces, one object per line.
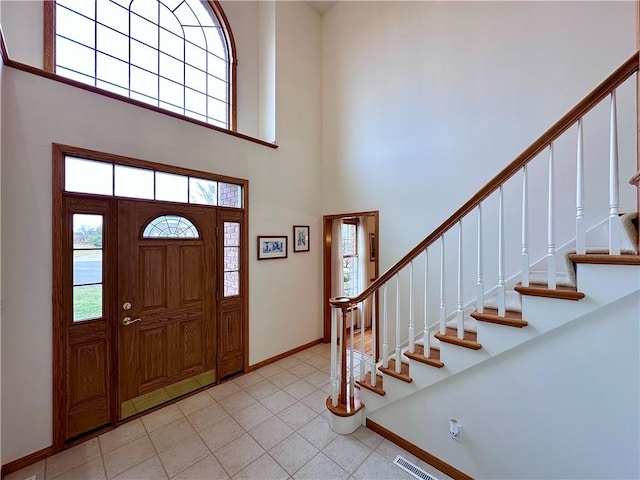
{"x":613,"y":81}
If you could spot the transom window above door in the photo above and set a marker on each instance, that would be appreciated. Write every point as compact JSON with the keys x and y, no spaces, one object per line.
{"x":177,"y":55}
{"x":84,"y":175}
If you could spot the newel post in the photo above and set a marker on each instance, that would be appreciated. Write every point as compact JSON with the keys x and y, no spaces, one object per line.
{"x":345,"y":410}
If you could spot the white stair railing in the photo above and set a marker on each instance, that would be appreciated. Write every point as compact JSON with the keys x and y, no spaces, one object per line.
{"x":614,"y":201}
{"x":443,"y":316}
{"x":551,"y":246}
{"x":581,"y":228}
{"x":374,"y":338}
{"x":426,"y":337}
{"x":351,"y":352}
{"x":343,"y":361}
{"x":398,"y":366}
{"x":525,"y":228}
{"x":385,"y":328}
{"x":501,"y":266}
{"x":460,"y":311}
{"x":480,"y":274}
{"x":412,"y":331}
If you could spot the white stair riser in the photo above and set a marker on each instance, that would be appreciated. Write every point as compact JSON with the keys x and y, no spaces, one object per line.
{"x":607,"y":283}
{"x":496,"y":338}
{"x":425,"y":375}
{"x":458,"y":358}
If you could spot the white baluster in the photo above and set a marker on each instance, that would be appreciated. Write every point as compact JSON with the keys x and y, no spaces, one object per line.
{"x":581,"y":246}
{"x":551,"y":247}
{"x":342,"y":334}
{"x":351,"y":336}
{"x":442,"y":318}
{"x":412,"y":331}
{"x":614,"y":219}
{"x":426,"y":338}
{"x":374,"y":339}
{"x":480,"y":281}
{"x":362,"y":356}
{"x":525,"y":228}
{"x":460,"y":312}
{"x":398,"y":348}
{"x":501,"y":288}
{"x":385,"y":328}
{"x":334,"y":357}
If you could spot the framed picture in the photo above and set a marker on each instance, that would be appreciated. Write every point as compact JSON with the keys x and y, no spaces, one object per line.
{"x":301,"y":238}
{"x":372,"y":247}
{"x":270,"y":247}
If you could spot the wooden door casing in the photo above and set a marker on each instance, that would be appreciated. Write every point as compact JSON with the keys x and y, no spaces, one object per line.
{"x":170,"y":285}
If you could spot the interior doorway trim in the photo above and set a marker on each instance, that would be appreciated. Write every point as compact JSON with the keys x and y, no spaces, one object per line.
{"x":328,"y":265}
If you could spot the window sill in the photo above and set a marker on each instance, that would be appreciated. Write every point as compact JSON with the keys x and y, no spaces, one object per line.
{"x":57,"y":78}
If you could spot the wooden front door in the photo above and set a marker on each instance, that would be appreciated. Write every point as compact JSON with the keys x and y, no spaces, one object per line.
{"x":166,"y":294}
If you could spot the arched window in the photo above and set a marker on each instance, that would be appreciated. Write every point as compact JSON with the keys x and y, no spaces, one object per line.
{"x":170,"y":226}
{"x":177,"y":55}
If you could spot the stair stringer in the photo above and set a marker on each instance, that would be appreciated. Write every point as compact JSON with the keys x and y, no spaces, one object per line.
{"x":497,"y":340}
{"x":533,"y":415}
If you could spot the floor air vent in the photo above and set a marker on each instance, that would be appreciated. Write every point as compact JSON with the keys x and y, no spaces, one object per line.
{"x":409,"y":467}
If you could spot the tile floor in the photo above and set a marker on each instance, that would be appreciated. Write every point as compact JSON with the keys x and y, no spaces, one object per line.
{"x":269,"y":424}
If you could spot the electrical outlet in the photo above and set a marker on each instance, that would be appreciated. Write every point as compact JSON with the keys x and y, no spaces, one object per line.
{"x":455,"y":430}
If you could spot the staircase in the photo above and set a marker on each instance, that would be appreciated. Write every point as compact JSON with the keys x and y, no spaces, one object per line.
{"x":419,"y":358}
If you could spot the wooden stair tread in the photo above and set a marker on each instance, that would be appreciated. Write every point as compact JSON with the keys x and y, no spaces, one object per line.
{"x":366,"y":383}
{"x":605,"y":259}
{"x":541,"y":290}
{"x":454,"y":340}
{"x":391,"y":371}
{"x":470,"y":336}
{"x":510,"y":319}
{"x":418,"y":356}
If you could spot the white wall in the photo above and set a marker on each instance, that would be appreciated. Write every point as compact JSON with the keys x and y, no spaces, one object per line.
{"x":424,"y":102}
{"x":564,"y":405}
{"x":285,"y":295}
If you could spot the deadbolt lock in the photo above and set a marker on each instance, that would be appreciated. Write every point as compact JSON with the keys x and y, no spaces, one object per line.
{"x":126,"y":306}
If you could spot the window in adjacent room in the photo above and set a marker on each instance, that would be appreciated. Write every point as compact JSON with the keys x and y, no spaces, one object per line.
{"x":350,"y":257}
{"x":177,"y":55}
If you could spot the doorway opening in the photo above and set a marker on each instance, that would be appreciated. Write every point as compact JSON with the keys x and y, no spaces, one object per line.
{"x":350,"y":265}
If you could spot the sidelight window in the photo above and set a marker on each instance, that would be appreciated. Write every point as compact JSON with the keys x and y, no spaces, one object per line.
{"x":87,"y":267}
{"x":231,"y":259}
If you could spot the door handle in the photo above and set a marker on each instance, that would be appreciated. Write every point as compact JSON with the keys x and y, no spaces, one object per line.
{"x":128,"y":321}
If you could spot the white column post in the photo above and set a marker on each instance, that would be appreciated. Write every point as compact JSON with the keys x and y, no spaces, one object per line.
{"x":362,"y":355}
{"x":412,"y":330}
{"x":374,"y":338}
{"x":442,"y":318}
{"x":426,"y":340}
{"x":480,"y":280}
{"x":551,"y":246}
{"x":460,"y":311}
{"x":525,"y":228}
{"x":351,"y":336}
{"x":385,"y":328}
{"x":334,"y":358}
{"x":501,"y":268}
{"x":398,"y":349}
{"x":614,"y":219}
{"x":581,"y":246}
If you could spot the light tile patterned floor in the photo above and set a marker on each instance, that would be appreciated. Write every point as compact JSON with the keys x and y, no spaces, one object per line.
{"x":269,"y":424}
